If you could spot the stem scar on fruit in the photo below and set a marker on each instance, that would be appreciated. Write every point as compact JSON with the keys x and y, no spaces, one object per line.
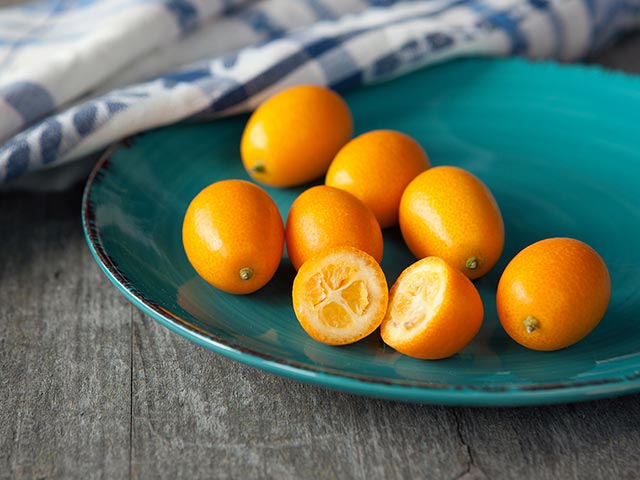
{"x":246,"y":273}
{"x":472,"y":263}
{"x":258,"y":167}
{"x":531,"y":324}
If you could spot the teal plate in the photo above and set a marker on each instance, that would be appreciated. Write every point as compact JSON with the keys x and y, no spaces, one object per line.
{"x":559,"y":147}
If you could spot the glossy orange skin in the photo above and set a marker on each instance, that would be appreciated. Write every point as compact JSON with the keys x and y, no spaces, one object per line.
{"x":292,"y":137}
{"x":561,"y":282}
{"x":229,"y":226}
{"x":323,"y":217}
{"x":449,"y":213}
{"x":454,"y":321}
{"x":376,"y":167}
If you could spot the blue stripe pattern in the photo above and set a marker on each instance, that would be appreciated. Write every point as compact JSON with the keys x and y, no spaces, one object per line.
{"x":28,"y":99}
{"x":185,"y":12}
{"x":492,"y":18}
{"x":378,"y":40}
{"x":50,"y":140}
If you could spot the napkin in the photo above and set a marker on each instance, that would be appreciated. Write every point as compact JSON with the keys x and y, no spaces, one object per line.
{"x":78,"y":75}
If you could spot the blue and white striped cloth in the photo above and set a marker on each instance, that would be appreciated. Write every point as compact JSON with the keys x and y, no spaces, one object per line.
{"x":77,"y":75}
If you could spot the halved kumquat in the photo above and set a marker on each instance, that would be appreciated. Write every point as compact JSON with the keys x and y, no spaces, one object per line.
{"x":340,"y":295}
{"x":434,"y":311}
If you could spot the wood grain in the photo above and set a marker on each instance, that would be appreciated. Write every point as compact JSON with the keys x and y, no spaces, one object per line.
{"x":64,"y":348}
{"x":581,"y":440}
{"x":227,"y":420}
{"x":91,"y":388}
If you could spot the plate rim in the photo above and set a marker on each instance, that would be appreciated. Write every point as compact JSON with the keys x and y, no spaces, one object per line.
{"x":507,"y":394}
{"x":418,"y":392}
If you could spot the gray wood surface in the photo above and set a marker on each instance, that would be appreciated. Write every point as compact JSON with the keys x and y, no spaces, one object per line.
{"x":91,"y":388}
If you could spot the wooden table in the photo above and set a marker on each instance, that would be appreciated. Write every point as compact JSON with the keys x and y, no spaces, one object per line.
{"x":92,"y":388}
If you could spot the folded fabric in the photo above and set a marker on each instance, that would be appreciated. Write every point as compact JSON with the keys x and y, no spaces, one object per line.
{"x":78,"y":75}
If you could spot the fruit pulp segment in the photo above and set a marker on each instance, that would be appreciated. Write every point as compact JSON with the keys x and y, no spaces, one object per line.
{"x":416,"y":299}
{"x":338,"y":295}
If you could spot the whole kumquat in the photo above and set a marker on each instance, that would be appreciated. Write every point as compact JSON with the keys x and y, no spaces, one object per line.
{"x":323,"y":217}
{"x":553,"y":293}
{"x":292,"y":137}
{"x":340,"y":296}
{"x":434,"y":311}
{"x":233,"y":236}
{"x":376,"y":167}
{"x":449,"y":213}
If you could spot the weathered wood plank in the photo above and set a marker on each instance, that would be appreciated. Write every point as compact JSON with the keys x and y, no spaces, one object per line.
{"x":64,"y":348}
{"x":227,"y":420}
{"x":199,"y":415}
{"x":582,"y":440}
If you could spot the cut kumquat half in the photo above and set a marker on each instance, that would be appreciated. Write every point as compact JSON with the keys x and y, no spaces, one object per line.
{"x":434,"y":311}
{"x":340,"y":295}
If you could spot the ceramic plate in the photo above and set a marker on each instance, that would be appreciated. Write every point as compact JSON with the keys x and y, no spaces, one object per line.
{"x":558,"y":146}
